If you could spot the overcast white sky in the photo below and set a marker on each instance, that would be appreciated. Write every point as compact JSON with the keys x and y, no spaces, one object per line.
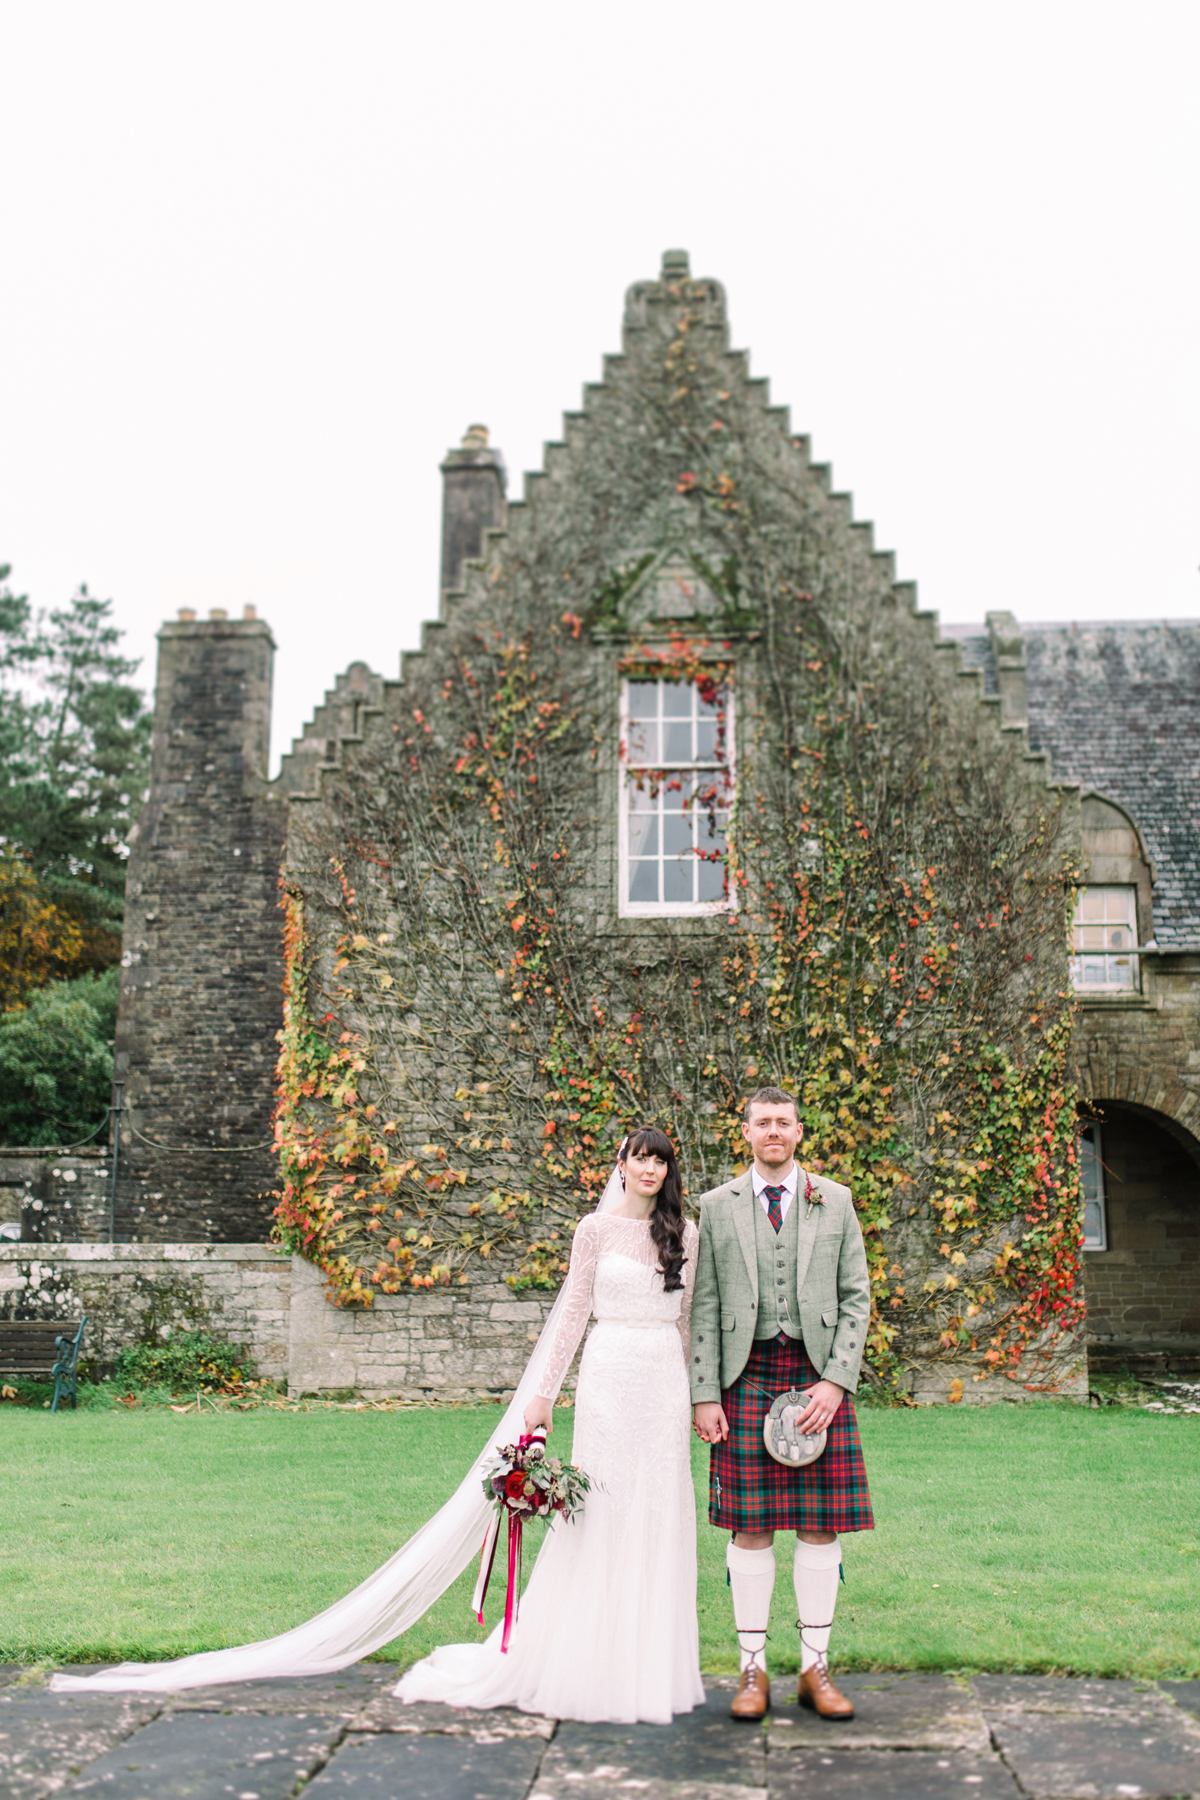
{"x":264,"y":261}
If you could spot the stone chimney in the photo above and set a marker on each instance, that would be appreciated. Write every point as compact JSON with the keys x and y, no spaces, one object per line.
{"x":202,"y":967}
{"x":474,"y":480}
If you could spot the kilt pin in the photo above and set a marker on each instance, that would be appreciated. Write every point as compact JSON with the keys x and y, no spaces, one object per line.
{"x":749,"y":1491}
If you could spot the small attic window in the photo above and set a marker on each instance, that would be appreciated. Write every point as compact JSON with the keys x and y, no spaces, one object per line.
{"x":1104,"y":939}
{"x":676,"y":789}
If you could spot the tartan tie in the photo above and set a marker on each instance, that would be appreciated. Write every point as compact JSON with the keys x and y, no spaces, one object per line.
{"x":774,"y":1206}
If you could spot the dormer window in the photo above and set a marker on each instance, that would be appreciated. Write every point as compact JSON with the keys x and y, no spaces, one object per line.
{"x":1104,"y":941}
{"x":676,"y":790}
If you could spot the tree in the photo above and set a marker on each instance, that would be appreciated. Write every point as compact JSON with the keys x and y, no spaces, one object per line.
{"x":56,"y":1062}
{"x":38,"y":940}
{"x":75,"y":740}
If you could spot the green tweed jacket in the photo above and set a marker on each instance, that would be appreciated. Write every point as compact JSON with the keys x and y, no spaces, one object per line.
{"x":832,"y":1282}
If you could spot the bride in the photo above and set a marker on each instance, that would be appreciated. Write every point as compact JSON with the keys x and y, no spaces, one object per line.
{"x":607,"y":1628}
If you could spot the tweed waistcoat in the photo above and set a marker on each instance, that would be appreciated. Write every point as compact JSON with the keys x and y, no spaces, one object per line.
{"x":778,"y":1299}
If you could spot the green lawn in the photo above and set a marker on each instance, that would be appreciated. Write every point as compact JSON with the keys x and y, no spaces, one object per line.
{"x":1044,"y":1537}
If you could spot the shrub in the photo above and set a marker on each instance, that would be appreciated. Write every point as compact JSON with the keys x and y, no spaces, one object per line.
{"x":186,"y":1362}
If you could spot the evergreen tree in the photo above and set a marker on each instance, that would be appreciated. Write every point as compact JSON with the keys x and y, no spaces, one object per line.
{"x":75,"y":742}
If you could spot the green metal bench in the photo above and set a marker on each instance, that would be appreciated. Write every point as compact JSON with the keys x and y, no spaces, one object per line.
{"x":49,"y":1347}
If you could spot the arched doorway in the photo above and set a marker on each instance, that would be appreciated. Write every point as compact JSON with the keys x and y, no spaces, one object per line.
{"x":1141,"y":1175}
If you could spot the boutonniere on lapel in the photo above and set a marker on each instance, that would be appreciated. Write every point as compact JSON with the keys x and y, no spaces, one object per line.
{"x":812,"y":1195}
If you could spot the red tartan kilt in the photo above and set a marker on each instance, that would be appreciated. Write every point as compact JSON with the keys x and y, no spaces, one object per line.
{"x":749,"y":1491}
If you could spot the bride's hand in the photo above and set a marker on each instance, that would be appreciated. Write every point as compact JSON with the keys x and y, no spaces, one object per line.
{"x":539,"y":1415}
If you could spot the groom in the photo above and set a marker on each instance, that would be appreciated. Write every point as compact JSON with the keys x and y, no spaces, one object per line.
{"x":782,"y":1299}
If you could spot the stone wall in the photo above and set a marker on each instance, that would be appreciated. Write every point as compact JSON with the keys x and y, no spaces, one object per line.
{"x":202,"y":964}
{"x":136,"y":1293}
{"x":443,"y":1344}
{"x":54,"y":1197}
{"x":463,"y":1344}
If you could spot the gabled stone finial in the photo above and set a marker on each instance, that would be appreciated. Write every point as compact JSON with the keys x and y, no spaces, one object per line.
{"x":676,"y":265}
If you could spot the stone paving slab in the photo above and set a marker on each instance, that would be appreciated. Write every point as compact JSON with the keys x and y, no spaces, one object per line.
{"x":210,"y":1756}
{"x":46,"y":1739}
{"x":1000,"y":1694}
{"x":891,"y":1712}
{"x":340,"y":1696}
{"x":442,"y":1766}
{"x":890,"y":1775}
{"x":389,"y":1713}
{"x":1060,"y":1756}
{"x":704,"y":1746}
{"x":1185,"y":1694}
{"x":605,"y":1787}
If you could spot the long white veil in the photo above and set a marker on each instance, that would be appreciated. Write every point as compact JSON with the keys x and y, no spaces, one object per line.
{"x":383,"y":1605}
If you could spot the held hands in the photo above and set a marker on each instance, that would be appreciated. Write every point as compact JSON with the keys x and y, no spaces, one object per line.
{"x":823,"y":1402}
{"x":711,"y":1425}
{"x":539,"y":1415}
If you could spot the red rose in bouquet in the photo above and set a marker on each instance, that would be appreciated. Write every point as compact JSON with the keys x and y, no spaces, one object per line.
{"x":514,"y":1486}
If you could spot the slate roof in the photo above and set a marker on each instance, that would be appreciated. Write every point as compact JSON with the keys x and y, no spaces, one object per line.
{"x":977,"y":653}
{"x":1117,"y":705}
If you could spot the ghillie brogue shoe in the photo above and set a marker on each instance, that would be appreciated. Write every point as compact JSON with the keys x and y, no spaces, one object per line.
{"x":819,"y":1693}
{"x":753,"y":1696}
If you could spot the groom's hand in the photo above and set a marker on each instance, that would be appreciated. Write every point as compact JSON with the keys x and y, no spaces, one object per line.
{"x":708,"y":1416}
{"x":823,"y":1402}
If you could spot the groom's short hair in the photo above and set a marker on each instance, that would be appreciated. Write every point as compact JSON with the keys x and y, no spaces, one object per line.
{"x":770,"y":1097}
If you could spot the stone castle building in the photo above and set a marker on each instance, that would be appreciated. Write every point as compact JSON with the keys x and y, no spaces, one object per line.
{"x":1110,"y":712}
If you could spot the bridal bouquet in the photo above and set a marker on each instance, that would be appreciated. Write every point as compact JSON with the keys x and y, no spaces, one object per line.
{"x":523,"y":1483}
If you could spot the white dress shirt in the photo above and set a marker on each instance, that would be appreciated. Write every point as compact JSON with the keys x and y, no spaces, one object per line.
{"x":787,"y":1182}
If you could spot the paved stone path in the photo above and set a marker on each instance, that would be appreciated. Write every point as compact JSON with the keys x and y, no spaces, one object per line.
{"x":344,"y":1737}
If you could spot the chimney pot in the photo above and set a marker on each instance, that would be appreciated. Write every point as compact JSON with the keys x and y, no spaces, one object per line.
{"x":187,"y":614}
{"x":249,"y":612}
{"x":217,"y":612}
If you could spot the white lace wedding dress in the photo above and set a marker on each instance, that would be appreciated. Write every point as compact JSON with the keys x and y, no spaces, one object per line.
{"x":607,"y":1626}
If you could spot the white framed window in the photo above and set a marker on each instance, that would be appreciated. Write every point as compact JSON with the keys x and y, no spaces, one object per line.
{"x":1103,"y":941}
{"x":676,"y":793}
{"x":1091,"y":1188}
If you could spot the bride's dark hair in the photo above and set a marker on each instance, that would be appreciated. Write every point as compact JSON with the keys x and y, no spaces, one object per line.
{"x":666,"y":1221}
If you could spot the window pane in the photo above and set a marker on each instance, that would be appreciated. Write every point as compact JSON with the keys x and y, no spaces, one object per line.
{"x":710,"y":880}
{"x":643,"y":834}
{"x":677,"y":833}
{"x":677,"y":699}
{"x":643,"y":883}
{"x":643,"y":700}
{"x":642,"y":744}
{"x":677,"y":878}
{"x":677,"y":741}
{"x":1091,"y":903}
{"x":706,"y":740}
{"x":1091,"y":1186}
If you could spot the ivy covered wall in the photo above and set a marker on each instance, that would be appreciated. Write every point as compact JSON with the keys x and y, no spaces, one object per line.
{"x":470,"y":1024}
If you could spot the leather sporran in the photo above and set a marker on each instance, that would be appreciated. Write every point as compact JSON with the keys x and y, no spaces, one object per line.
{"x":794,"y":1449}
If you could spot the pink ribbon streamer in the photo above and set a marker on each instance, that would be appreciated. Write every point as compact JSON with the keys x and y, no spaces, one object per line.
{"x":511,"y":1599}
